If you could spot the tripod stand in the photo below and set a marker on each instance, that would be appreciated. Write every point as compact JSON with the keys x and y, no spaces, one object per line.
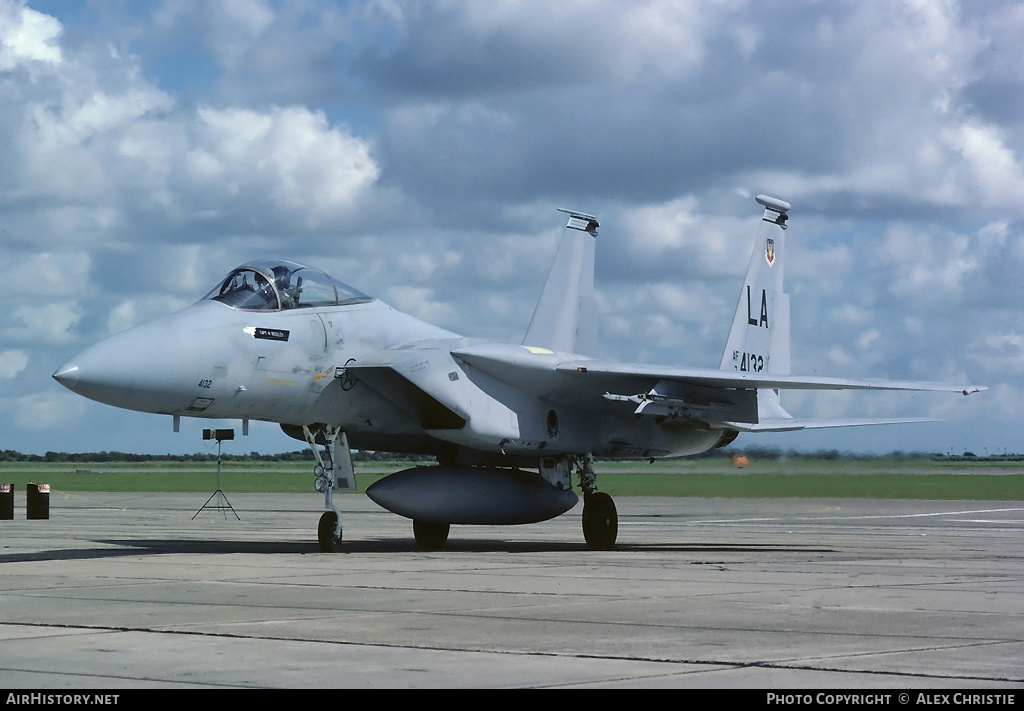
{"x":223,"y":505}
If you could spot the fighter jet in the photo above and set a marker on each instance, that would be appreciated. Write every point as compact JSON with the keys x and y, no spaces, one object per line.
{"x":509,"y":424}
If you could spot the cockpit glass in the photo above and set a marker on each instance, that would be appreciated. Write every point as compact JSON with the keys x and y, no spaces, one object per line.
{"x":246,"y":289}
{"x":277,"y":285}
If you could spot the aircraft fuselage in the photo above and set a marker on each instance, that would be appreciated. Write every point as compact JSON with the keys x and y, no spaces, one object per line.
{"x":304,"y":366}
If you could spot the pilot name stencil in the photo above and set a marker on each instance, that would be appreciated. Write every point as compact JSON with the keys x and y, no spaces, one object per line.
{"x":271,"y":334}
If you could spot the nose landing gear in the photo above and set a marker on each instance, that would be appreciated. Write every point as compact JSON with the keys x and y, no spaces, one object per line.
{"x":333,"y":470}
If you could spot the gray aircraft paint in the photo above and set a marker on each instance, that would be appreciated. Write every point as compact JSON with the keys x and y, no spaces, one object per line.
{"x":313,"y":354}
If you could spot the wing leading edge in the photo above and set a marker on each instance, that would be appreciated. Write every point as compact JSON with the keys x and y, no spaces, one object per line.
{"x":729,"y":379}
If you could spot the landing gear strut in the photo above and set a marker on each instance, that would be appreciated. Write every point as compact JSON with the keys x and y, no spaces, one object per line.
{"x":600,"y":519}
{"x":333,"y":471}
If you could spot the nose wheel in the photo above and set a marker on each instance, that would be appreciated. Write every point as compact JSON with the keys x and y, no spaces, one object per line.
{"x":328,"y":533}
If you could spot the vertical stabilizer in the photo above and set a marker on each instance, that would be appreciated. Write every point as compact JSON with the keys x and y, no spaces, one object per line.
{"x":759,"y":338}
{"x":566,"y":315}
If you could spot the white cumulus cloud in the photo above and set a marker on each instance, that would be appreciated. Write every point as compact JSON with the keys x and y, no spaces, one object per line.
{"x":290,"y":155}
{"x":27,"y":36}
{"x":12,"y":363}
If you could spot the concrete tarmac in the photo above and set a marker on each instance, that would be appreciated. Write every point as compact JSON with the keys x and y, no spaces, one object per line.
{"x":120,"y":590}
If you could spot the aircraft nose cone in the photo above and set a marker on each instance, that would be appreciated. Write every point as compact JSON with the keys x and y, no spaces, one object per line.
{"x":67,"y":375}
{"x":152,"y":368}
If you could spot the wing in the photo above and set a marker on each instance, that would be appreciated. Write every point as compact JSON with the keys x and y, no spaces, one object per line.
{"x":726,"y":399}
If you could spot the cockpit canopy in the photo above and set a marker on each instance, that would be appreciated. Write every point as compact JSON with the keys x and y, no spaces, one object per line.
{"x":275,"y":285}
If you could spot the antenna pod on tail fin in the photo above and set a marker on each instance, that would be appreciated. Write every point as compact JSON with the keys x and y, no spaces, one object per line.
{"x":759,"y":338}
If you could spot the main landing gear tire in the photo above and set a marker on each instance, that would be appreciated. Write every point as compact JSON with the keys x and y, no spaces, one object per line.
{"x":600,"y":521}
{"x":430,"y":536}
{"x":329,"y":543}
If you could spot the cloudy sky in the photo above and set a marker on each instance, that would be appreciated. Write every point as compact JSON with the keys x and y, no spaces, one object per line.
{"x":418,"y":150}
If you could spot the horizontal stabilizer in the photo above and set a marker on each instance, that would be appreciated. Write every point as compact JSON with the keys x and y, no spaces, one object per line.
{"x":784,"y":424}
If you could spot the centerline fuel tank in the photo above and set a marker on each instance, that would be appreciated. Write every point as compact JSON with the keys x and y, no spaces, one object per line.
{"x":471,"y":495}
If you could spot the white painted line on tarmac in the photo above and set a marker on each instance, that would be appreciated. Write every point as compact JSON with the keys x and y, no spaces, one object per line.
{"x":832,"y":516}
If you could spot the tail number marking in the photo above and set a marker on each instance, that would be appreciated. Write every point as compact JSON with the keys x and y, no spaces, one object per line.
{"x":749,"y":362}
{"x":753,"y":363}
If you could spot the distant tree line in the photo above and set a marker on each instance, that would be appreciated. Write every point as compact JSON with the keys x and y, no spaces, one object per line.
{"x":755,"y":453}
{"x":831,"y":455}
{"x":835,"y":454}
{"x":10,"y":455}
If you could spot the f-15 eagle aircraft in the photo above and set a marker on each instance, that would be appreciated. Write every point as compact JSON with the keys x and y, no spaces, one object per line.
{"x":508,"y":424}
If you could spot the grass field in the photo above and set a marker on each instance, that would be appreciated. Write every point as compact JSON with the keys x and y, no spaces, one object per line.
{"x":881,"y":478}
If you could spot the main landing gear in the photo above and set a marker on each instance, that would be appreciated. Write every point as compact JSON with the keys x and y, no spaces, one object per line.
{"x":600,"y":519}
{"x":430,"y":536}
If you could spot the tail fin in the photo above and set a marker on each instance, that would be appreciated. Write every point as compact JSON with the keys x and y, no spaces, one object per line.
{"x":759,"y":339}
{"x":566,"y":315}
